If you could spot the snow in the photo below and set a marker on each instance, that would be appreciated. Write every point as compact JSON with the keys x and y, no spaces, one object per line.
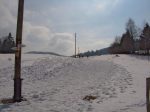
{"x":60,"y":84}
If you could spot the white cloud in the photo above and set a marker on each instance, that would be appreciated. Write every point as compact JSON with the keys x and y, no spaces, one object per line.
{"x":102,"y":6}
{"x":94,"y":44}
{"x":42,"y":39}
{"x":62,"y":43}
{"x":106,"y":5}
{"x":35,"y":36}
{"x":116,"y":2}
{"x":7,"y":17}
{"x":41,"y":25}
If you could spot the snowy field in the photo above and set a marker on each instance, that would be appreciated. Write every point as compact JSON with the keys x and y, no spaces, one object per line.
{"x":63,"y":84}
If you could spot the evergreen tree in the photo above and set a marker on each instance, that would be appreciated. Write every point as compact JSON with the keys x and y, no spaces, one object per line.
{"x":145,"y":38}
{"x":127,"y":43}
{"x":7,"y":44}
{"x":115,"y":46}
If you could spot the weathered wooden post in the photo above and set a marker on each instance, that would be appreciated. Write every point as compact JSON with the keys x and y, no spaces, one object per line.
{"x":148,"y":94}
{"x":17,"y":77}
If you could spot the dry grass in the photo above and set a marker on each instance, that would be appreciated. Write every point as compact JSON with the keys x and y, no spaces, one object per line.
{"x":6,"y":101}
{"x":89,"y":98}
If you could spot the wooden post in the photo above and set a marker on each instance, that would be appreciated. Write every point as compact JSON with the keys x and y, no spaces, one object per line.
{"x":148,"y":94}
{"x":17,"y":77}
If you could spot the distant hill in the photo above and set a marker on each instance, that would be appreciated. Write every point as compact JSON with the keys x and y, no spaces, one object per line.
{"x":41,"y":52}
{"x":103,"y":51}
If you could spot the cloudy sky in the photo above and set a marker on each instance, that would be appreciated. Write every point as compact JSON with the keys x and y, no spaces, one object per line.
{"x":49,"y":25}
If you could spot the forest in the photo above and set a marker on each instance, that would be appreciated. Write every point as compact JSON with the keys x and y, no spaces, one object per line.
{"x":134,"y":40}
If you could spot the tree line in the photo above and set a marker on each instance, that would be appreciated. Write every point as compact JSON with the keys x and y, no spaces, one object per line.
{"x":6,"y":44}
{"x":134,"y":40}
{"x":103,"y":51}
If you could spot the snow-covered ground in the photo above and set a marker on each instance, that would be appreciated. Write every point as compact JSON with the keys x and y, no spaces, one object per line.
{"x":62,"y":84}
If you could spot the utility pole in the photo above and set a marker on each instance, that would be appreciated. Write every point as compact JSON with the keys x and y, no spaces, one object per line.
{"x":17,"y":77}
{"x":75,"y":44}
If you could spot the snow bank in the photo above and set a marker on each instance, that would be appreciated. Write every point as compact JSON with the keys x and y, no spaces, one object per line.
{"x":60,"y":84}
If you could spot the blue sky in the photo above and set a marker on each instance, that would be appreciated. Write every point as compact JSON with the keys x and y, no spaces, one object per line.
{"x":50,"y":24}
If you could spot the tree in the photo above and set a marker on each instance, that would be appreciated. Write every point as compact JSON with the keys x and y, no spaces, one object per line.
{"x":97,"y":52}
{"x":127,"y":43}
{"x":7,"y":44}
{"x":115,"y":46}
{"x":134,"y":32}
{"x":145,"y":38}
{"x":132,"y":28}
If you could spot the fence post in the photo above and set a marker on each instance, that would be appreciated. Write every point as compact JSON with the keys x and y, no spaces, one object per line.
{"x":148,"y":94}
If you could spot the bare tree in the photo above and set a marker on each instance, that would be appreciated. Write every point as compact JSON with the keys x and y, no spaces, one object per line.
{"x":135,"y":33}
{"x":132,"y":28}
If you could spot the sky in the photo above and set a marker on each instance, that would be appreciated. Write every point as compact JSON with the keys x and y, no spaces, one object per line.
{"x":49,"y":25}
